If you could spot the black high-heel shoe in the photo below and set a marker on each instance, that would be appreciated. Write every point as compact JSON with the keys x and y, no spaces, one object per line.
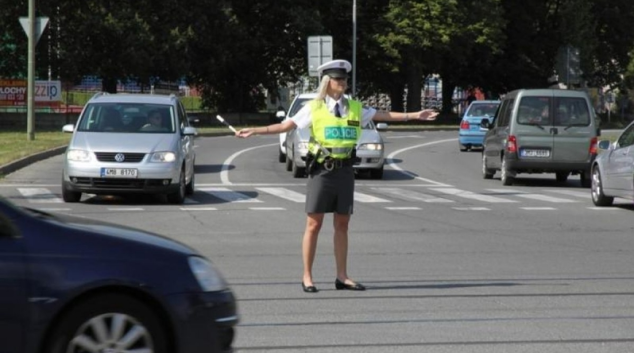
{"x":341,"y":285}
{"x":309,"y":289}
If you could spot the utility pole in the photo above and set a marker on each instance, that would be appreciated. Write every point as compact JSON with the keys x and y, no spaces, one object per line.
{"x":30,"y":96}
{"x":354,"y":48}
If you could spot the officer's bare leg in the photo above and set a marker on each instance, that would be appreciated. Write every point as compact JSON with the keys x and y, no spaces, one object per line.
{"x":309,"y":244}
{"x":341,"y":222}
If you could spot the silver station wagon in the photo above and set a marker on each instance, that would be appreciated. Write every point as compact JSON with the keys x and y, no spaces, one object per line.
{"x":130,"y":143}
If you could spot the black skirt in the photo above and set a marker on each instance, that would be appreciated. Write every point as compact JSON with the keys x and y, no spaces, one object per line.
{"x":330,"y":191}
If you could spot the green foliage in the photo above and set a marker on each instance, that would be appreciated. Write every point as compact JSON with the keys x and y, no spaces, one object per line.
{"x":234,"y":51}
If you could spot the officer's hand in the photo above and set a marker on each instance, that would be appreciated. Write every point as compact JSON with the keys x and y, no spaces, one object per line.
{"x":244,"y":133}
{"x":427,"y":114}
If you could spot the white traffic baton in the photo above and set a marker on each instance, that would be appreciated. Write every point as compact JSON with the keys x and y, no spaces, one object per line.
{"x":220,"y":119}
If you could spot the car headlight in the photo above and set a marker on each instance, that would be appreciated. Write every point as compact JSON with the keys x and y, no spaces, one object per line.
{"x":302,"y":146}
{"x":209,"y":279}
{"x":371,"y":147}
{"x":78,"y":155}
{"x":162,"y":157}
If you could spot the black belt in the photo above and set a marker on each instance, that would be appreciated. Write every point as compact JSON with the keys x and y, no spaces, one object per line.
{"x":336,"y":163}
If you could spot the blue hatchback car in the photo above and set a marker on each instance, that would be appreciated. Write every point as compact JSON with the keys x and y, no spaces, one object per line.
{"x":471,"y":135}
{"x":76,"y":285}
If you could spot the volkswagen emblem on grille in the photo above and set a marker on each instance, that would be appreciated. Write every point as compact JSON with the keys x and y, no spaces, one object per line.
{"x":119,"y":157}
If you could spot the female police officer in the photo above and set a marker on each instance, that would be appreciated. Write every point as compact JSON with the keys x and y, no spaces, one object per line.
{"x":335,"y":123}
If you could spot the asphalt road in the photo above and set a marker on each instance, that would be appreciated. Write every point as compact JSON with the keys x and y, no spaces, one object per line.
{"x":452,"y":262}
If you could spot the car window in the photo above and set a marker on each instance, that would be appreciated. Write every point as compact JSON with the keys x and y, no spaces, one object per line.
{"x":504,"y":113}
{"x":534,"y":110}
{"x":127,"y":118}
{"x":299,"y":103}
{"x":627,"y":137}
{"x":482,"y":109}
{"x":571,"y":111}
{"x":182,"y":116}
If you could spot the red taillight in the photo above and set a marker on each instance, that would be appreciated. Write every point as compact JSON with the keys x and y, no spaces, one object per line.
{"x":593,"y":146}
{"x":511,"y":144}
{"x":464,"y":125}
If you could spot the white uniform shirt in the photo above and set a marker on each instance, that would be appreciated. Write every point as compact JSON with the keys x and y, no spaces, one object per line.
{"x":304,"y":119}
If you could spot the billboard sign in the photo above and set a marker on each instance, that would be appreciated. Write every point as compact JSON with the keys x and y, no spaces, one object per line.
{"x":13,"y":92}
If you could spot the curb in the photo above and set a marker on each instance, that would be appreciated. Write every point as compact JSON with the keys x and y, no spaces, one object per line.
{"x":23,"y":162}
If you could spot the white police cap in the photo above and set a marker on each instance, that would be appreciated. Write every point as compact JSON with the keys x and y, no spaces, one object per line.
{"x":335,"y":68}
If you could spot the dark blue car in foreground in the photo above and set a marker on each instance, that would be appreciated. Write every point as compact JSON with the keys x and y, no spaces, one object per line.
{"x":76,"y":285}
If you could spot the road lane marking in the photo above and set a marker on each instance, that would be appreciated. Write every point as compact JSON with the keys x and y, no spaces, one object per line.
{"x":285,"y":194}
{"x":39,"y":195}
{"x":390,"y":157}
{"x":224,"y":172}
{"x":410,"y":195}
{"x":538,"y":208}
{"x":229,"y":195}
{"x":365,"y":198}
{"x":199,"y":209}
{"x":532,"y":196}
{"x":473,"y":196}
{"x":403,"y":208}
{"x":471,"y":208}
{"x":267,"y":208}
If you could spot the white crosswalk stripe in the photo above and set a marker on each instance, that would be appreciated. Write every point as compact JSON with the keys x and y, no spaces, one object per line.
{"x":366,"y":195}
{"x":409,"y":195}
{"x":285,"y":194}
{"x":581,"y":194}
{"x":39,"y":195}
{"x":532,"y":196}
{"x":473,"y":196}
{"x":229,"y":195}
{"x":365,"y":198}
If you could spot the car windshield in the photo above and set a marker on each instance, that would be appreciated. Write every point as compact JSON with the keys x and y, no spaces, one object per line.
{"x":127,"y":118}
{"x":299,"y":103}
{"x":482,"y":109}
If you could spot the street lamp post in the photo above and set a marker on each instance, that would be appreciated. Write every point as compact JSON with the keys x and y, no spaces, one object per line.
{"x":31,"y":74}
{"x":354,"y":48}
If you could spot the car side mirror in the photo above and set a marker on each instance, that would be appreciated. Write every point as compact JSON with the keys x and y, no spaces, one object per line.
{"x":604,"y":145}
{"x":68,"y":128}
{"x":280,"y":114}
{"x":485,"y":123}
{"x":381,"y":126}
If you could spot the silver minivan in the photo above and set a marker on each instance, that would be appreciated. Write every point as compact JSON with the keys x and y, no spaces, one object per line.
{"x":130,"y":143}
{"x":541,"y":131}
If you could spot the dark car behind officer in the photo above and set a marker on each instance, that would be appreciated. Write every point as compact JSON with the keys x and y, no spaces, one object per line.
{"x":335,"y":124}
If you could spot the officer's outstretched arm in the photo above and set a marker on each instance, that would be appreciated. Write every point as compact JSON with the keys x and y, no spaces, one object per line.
{"x":282,"y":127}
{"x":425,"y":114}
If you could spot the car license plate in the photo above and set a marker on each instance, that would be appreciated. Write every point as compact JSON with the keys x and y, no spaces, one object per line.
{"x":535,"y":153}
{"x":118,"y":173}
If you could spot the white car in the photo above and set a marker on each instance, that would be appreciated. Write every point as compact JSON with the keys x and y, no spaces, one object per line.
{"x":370,"y":148}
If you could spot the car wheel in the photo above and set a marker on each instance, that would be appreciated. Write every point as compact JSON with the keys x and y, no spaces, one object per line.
{"x":281,"y":157}
{"x":586,"y":180}
{"x":506,"y":175}
{"x":487,"y":173}
{"x":561,"y":176}
{"x":178,"y":197}
{"x":289,"y":163}
{"x":109,"y":323}
{"x":298,"y":172}
{"x":463,"y":148}
{"x":376,"y":173}
{"x":70,"y":196}
{"x":596,"y":190}
{"x":189,"y":188}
